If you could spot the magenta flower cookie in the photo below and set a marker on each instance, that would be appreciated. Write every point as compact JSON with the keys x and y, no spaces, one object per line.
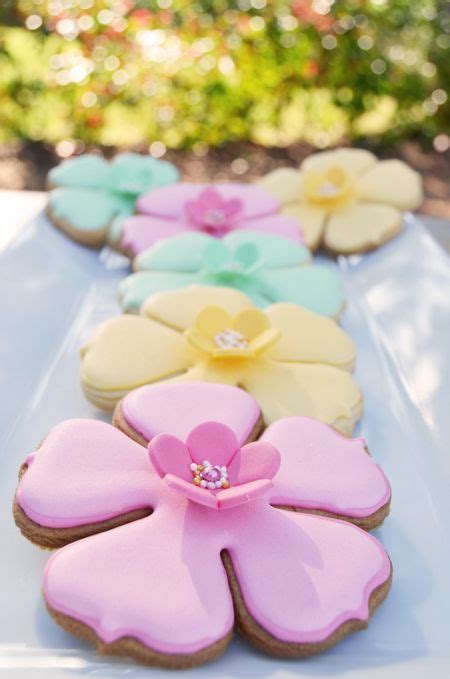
{"x":216,"y":209}
{"x":193,"y":536}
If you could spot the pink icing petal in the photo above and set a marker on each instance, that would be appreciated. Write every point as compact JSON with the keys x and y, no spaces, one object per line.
{"x":169,"y":455}
{"x":258,"y":460}
{"x":302,"y":576}
{"x":237,"y":495}
{"x":150,"y":409}
{"x":142,"y":231}
{"x":282,"y":225}
{"x":86,"y":471}
{"x":255,"y":201}
{"x":321,"y":469}
{"x":201,"y":496}
{"x":152,"y":580}
{"x":169,"y":201}
{"x":212,"y":441}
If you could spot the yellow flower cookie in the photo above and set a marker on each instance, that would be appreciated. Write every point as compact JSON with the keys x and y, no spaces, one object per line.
{"x":346,"y":199}
{"x":293,"y":361}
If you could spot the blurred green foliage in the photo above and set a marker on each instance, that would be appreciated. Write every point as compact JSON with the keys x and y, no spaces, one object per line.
{"x":183,"y":72}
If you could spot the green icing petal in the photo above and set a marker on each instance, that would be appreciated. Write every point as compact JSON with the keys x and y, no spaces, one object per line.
{"x":86,"y":172}
{"x":134,"y":174}
{"x":179,"y":253}
{"x":216,"y":256}
{"x":134,"y":289}
{"x":314,"y":287}
{"x":85,"y":209}
{"x":276,"y":251}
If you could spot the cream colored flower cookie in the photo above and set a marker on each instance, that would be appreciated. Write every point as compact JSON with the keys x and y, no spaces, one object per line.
{"x":346,"y":200}
{"x":293,"y":361}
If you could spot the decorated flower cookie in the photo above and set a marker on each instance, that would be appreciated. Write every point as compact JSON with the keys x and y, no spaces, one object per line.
{"x":346,"y":199}
{"x":294,"y":362}
{"x":214,"y":209}
{"x":268,"y":268}
{"x":170,"y":565}
{"x":90,"y":197}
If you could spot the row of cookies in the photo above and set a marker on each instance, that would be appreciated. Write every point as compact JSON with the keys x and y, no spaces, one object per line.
{"x":227,"y":492}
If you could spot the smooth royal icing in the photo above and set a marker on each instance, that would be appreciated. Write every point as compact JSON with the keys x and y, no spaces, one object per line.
{"x":297,"y":366}
{"x":345,"y":198}
{"x":91,"y":193}
{"x":216,"y":209}
{"x":160,"y":579}
{"x":268,"y":268}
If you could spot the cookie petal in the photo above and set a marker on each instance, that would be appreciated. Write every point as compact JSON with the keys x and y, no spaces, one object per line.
{"x":309,"y":338}
{"x":179,"y":309}
{"x":87,"y":171}
{"x":313,"y":287}
{"x":336,"y":473}
{"x":311,"y":220}
{"x":135,"y":289}
{"x":149,"y":410}
{"x":140,"y":232}
{"x":129,"y":351}
{"x":361,"y":227}
{"x":299,"y":582}
{"x":274,"y":250}
{"x":318,"y":391}
{"x":85,"y":472}
{"x":87,"y":210}
{"x":354,"y":160}
{"x":283,"y":183}
{"x":183,"y":253}
{"x":391,"y":182}
{"x":281,"y":224}
{"x":150,"y":580}
{"x":170,"y":201}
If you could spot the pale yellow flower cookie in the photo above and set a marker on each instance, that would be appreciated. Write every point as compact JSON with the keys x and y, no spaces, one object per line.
{"x":346,"y":199}
{"x":293,"y":361}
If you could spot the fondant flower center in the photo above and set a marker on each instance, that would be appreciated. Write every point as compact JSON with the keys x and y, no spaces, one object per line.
{"x":211,"y":212}
{"x":230,"y":339}
{"x":221,"y":336}
{"x":330,"y":187}
{"x":209,"y":476}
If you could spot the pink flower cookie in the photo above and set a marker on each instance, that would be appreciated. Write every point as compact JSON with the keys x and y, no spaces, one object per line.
{"x":215,"y":209}
{"x":193,"y":560}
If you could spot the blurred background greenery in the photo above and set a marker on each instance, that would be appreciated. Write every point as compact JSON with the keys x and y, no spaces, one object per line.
{"x":183,"y":74}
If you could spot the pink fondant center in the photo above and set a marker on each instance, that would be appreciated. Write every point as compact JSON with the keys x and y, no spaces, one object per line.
{"x":212,"y":213}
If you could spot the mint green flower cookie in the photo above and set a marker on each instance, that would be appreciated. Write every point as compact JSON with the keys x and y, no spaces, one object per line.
{"x":90,"y":197}
{"x":267,"y":267}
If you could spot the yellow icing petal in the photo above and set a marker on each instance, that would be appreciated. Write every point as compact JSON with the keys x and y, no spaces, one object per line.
{"x":283,"y":183}
{"x":129,"y":351}
{"x":361,"y":227}
{"x":312,"y":220}
{"x":180,"y":308}
{"x":353,"y":160}
{"x":212,"y":320}
{"x":307,"y":337}
{"x":322,"y":392}
{"x":391,"y":182}
{"x":251,"y":323}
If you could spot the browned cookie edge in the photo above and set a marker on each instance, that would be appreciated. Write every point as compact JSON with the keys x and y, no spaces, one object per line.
{"x":52,"y":538}
{"x":130,"y":647}
{"x":264,"y":641}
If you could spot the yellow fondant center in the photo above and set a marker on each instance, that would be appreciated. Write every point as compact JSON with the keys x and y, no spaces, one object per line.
{"x":220,"y":335}
{"x":328,"y":188}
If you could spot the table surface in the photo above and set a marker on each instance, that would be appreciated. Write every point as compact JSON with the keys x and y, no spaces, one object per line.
{"x":18,"y":207}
